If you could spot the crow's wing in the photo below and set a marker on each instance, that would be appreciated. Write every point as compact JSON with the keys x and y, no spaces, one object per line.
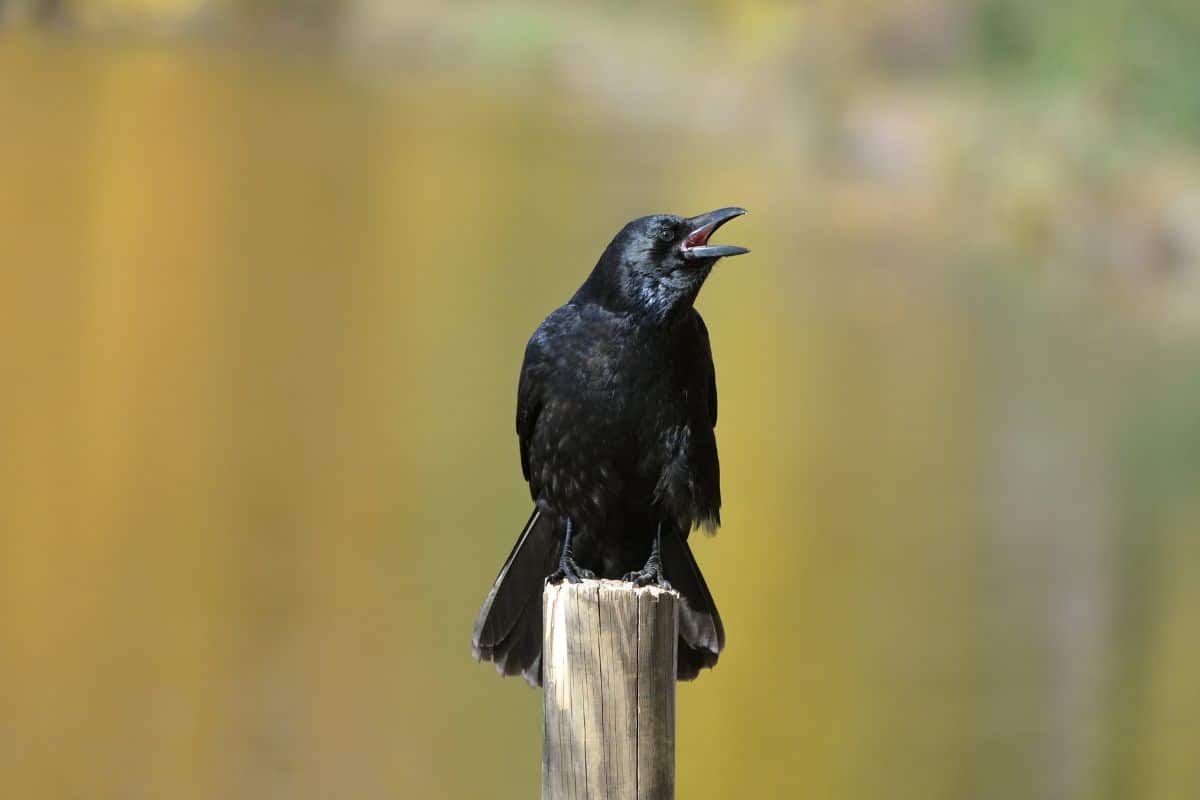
{"x":705,"y":362}
{"x":529,"y":405}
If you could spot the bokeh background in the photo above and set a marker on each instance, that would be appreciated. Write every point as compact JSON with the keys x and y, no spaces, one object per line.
{"x":267,"y":273}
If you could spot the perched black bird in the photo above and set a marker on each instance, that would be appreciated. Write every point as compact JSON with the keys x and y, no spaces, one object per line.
{"x":615,"y":412}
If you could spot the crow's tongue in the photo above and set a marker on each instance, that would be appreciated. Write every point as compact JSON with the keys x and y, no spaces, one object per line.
{"x":699,"y":236}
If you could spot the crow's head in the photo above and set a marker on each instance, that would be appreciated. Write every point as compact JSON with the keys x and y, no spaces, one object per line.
{"x":656,"y":265}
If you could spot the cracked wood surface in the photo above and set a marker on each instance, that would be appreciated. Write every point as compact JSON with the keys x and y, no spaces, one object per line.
{"x":608,"y":674}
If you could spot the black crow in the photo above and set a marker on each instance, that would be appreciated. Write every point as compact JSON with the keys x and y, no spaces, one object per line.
{"x":615,"y":412}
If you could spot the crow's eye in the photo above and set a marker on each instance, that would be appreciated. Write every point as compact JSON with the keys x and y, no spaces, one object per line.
{"x":666,"y":234}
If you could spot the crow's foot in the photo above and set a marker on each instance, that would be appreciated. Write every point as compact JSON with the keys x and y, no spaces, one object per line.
{"x":569,"y":571}
{"x":649,"y":575}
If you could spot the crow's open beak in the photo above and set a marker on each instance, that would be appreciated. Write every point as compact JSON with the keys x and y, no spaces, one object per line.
{"x":695,"y":244}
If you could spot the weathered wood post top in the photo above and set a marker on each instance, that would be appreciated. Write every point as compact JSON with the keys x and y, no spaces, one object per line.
{"x":608,"y":675}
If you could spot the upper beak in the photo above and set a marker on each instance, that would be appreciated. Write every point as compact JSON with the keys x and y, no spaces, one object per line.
{"x":695,"y":244}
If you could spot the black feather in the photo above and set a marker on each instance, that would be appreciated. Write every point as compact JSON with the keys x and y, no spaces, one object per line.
{"x":701,"y":633}
{"x":508,"y":630}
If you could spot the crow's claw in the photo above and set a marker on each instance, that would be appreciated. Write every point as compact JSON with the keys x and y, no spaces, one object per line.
{"x":649,"y":575}
{"x":571,"y":572}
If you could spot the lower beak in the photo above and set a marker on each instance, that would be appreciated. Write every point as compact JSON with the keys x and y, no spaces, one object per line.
{"x":695,"y":244}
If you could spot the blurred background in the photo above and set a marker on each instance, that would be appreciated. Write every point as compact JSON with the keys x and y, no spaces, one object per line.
{"x":269,"y":269}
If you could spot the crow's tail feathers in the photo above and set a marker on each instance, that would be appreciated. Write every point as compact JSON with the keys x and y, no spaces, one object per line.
{"x":509,"y":628}
{"x":701,"y":634}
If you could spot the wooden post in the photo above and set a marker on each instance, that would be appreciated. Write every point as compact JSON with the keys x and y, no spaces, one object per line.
{"x":608,"y":675}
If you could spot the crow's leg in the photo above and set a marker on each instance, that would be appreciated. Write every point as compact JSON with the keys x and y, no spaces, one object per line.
{"x":568,"y":570}
{"x":652,"y":573}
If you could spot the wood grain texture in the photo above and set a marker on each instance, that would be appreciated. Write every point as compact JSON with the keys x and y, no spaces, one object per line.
{"x":608,"y":674}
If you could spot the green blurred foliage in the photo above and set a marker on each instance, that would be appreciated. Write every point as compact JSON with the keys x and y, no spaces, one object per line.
{"x":268,"y":279}
{"x":1142,"y":56}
